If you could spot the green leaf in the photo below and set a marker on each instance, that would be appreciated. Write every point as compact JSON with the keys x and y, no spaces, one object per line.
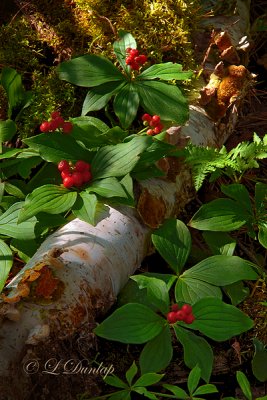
{"x":259,"y":361}
{"x":8,"y":129}
{"x":219,"y":215}
{"x":148,"y":379}
{"x":107,"y":187}
{"x":205,"y":389}
{"x":157,"y":291}
{"x":121,"y":395}
{"x":131,"y":323}
{"x":99,"y":96}
{"x":222,"y":270}
{"x":237,"y":292}
{"x":144,"y":392}
{"x":9,"y":225}
{"x":163,"y":99}
{"x":167,"y":71}
{"x":220,"y":242}
{"x":54,"y":147}
{"x":244,"y":384}
{"x":14,"y":190}
{"x":262,"y":235}
{"x":126,"y":40}
{"x":173,"y":242}
{"x":85,"y":207}
{"x":89,"y":70}
{"x":52,"y":199}
{"x":115,"y":381}
{"x":193,"y":379}
{"x":6,"y":262}
{"x":197,"y":351}
{"x":127,"y":184}
{"x":190,"y":290}
{"x":157,"y":353}
{"x":118,"y":160}
{"x":126,"y":104}
{"x":218,"y":320}
{"x":260,"y":198}
{"x":24,"y":248}
{"x":88,"y":124}
{"x":9,"y":153}
{"x":239,"y":193}
{"x":176,"y":390}
{"x":131,"y":372}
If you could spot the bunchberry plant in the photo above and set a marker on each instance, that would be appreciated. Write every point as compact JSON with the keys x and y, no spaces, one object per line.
{"x":152,"y":88}
{"x":229,"y":214}
{"x":154,"y":122}
{"x":140,"y":386}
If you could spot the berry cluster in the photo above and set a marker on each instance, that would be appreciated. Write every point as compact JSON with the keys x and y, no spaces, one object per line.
{"x":153,"y":122}
{"x":74,"y":175}
{"x":134,"y":59}
{"x":184,"y":314}
{"x":56,"y":122}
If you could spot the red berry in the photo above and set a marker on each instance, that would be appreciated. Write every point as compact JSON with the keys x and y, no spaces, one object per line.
{"x":150,"y":132}
{"x":53,"y":125}
{"x":142,"y":59}
{"x":65,"y":174}
{"x":180,"y":315}
{"x":157,"y":129}
{"x":134,"y":52}
{"x":129,"y":60}
{"x":59,"y":121}
{"x":128,"y":49}
{"x":77,"y":179}
{"x":189,"y":319}
{"x":187,"y":309}
{"x":155,"y":119}
{"x":171,"y":317}
{"x":87,"y":176}
{"x":175,"y":307}
{"x":146,"y":117}
{"x":63,"y":165}
{"x":81,"y":166}
{"x":67,"y":127}
{"x":135,"y":66}
{"x":45,"y":126}
{"x":68,"y":182}
{"x":55,"y":114}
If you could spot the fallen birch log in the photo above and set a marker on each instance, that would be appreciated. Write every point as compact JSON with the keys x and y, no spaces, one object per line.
{"x":90,"y":265}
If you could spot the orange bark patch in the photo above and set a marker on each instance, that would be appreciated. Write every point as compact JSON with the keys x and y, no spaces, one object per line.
{"x":46,"y":283}
{"x":151,"y":209}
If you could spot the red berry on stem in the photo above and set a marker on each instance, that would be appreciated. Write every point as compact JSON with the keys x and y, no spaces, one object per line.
{"x":129,"y":60}
{"x":175,"y":307}
{"x":189,"y":319}
{"x":67,"y":127}
{"x":146,"y":117}
{"x":81,"y":166}
{"x":65,"y":174}
{"x":128,"y":49}
{"x":68,"y":182}
{"x":150,"y":132}
{"x":55,"y":114}
{"x":53,"y":125}
{"x":134,"y":52}
{"x":77,"y":179}
{"x":45,"y":126}
{"x":180,"y":315}
{"x":135,"y":66}
{"x":142,"y":59}
{"x":59,"y":121}
{"x":63,"y":165}
{"x":171,"y":317}
{"x":155,"y":119}
{"x":187,"y":309}
{"x":157,"y":129}
{"x":87,"y":176}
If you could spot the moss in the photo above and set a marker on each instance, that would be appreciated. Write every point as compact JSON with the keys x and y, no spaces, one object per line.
{"x":49,"y":94}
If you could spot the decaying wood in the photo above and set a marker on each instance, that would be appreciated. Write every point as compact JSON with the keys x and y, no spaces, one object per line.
{"x":87,"y":266}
